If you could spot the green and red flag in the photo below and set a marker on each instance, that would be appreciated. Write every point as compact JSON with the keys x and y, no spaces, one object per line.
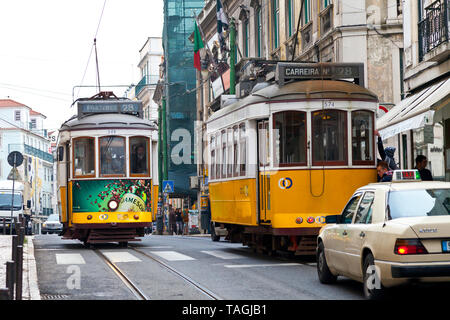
{"x":198,"y":44}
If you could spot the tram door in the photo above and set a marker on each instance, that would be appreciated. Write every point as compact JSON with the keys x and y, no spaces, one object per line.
{"x":263,"y":173}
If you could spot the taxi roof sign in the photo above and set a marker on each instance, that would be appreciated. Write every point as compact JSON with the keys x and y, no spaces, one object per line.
{"x":406,"y":175}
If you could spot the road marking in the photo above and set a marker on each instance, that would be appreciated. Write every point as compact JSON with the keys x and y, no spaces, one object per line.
{"x":261,"y":265}
{"x":69,"y":258}
{"x":120,"y":256}
{"x":172,"y":255}
{"x":222,"y":254}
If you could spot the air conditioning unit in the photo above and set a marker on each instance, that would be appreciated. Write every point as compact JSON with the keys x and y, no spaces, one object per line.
{"x":194,"y":182}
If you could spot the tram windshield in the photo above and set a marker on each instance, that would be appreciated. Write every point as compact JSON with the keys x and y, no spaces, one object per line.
{"x":329,"y":137}
{"x":362,"y":137}
{"x":290,"y":138}
{"x":112,"y":156}
{"x":139,"y":147}
{"x":84,"y":157}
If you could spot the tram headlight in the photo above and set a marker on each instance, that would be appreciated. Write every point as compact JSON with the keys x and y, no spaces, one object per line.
{"x":113,"y":204}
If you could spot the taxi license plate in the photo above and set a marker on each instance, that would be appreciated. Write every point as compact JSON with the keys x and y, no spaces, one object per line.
{"x":446,"y":246}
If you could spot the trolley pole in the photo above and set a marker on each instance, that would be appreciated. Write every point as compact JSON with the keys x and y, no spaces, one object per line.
{"x":232,"y":57}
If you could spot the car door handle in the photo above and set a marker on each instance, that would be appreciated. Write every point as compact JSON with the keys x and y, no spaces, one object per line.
{"x":344,"y":233}
{"x":362,"y":234}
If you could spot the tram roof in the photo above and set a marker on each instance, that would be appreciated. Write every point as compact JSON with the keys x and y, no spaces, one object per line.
{"x":110,"y":120}
{"x":302,"y":90}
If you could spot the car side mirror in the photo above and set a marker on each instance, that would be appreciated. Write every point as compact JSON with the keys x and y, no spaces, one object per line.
{"x":333,"y":219}
{"x":29,"y":204}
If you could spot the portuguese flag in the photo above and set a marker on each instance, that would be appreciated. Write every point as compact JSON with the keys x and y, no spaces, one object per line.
{"x":198,"y":44}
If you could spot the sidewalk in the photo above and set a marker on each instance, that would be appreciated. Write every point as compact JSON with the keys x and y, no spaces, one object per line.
{"x":30,"y":290}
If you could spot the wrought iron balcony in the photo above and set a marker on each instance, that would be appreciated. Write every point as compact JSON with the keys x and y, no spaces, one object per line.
{"x":146,"y":81}
{"x":433,"y":29}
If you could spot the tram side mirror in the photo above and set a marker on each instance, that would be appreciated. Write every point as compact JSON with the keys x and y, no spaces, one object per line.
{"x":60,"y":156}
{"x":28,"y":204}
{"x":333,"y":219}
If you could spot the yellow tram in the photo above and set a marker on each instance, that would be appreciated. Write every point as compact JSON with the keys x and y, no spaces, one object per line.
{"x":107,"y":171}
{"x":289,"y":154}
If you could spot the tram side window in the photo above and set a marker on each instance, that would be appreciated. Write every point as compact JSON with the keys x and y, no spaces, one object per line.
{"x":329,"y":137}
{"x":362,"y":137}
{"x":242,"y":149}
{"x":213,"y":158}
{"x":224,"y":154}
{"x":84,"y":157}
{"x":112,"y":156}
{"x":139,"y":149}
{"x":235,"y":151}
{"x":290,"y":138}
{"x":230,"y":153}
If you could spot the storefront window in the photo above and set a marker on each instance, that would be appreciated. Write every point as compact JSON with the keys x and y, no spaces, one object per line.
{"x":329,"y":137}
{"x":84,"y":157}
{"x":362,"y":137}
{"x":290,"y":138}
{"x":140,"y":160}
{"x":112,"y":156}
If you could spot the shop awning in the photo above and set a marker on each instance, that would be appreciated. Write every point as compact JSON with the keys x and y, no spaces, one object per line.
{"x":414,"y":111}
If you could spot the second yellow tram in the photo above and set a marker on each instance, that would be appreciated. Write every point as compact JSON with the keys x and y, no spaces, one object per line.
{"x":289,"y":154}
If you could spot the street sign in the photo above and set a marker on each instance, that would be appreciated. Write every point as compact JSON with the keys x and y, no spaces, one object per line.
{"x":15,"y":159}
{"x":168,"y":186}
{"x":14,"y":174}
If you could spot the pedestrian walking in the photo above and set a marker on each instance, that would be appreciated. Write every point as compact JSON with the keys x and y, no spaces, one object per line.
{"x":172,"y":223}
{"x":186,"y":221}
{"x":179,"y":221}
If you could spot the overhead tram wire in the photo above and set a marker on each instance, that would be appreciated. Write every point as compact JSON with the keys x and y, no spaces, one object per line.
{"x":92,"y":47}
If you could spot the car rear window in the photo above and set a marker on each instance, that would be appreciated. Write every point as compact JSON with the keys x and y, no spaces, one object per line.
{"x":419,"y":203}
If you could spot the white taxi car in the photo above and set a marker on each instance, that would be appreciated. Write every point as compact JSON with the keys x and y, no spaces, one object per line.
{"x":389,"y":234}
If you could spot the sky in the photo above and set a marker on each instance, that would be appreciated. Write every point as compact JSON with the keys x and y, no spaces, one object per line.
{"x":45,"y":47}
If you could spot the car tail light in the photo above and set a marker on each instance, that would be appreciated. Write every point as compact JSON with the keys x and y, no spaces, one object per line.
{"x":409,"y":246}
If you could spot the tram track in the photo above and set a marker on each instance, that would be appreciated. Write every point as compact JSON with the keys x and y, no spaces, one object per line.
{"x":138,"y":292}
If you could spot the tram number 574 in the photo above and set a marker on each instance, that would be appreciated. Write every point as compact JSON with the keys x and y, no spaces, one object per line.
{"x":328,"y":104}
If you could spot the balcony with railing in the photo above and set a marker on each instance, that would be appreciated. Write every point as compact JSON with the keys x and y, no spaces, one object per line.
{"x":434,"y":32}
{"x":31,"y":151}
{"x":148,"y":80}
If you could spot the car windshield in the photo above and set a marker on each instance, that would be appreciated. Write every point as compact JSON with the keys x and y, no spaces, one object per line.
{"x":419,"y":203}
{"x":5,"y":201}
{"x":53,"y":217}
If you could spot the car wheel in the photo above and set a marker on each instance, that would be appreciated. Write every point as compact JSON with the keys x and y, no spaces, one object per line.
{"x":373,"y":289}
{"x":325,"y":275}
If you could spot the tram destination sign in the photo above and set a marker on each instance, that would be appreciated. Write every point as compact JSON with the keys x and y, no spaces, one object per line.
{"x":324,"y":70}
{"x":120,"y":106}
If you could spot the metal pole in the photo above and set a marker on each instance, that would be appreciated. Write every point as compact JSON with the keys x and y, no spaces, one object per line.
{"x":19,"y":273}
{"x":10,"y":277}
{"x":232,"y":57}
{"x":12,"y":194}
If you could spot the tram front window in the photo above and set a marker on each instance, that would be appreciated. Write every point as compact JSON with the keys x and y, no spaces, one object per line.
{"x":290,"y":138}
{"x":84,"y":157}
{"x":112,"y":156}
{"x":362,"y":137}
{"x":329,"y":138}
{"x":139,"y":151}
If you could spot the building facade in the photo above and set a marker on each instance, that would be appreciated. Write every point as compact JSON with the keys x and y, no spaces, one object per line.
{"x":369,"y":32}
{"x":22,"y":129}
{"x":419,"y":124}
{"x":150,"y":59}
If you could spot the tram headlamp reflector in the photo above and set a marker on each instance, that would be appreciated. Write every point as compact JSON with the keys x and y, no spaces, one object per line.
{"x":113,"y":204}
{"x":89,"y":217}
{"x":299,"y":220}
{"x":136,"y":217}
